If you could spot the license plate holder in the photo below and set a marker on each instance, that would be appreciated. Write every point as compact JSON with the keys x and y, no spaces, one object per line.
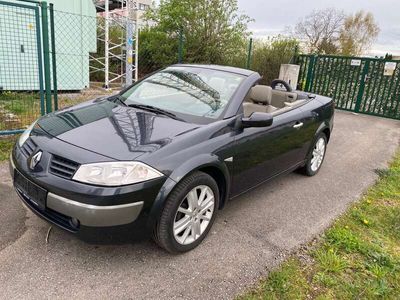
{"x":30,"y":190}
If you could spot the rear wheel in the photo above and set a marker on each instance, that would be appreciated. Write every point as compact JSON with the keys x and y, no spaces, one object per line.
{"x":316,"y":156}
{"x":188,"y":214}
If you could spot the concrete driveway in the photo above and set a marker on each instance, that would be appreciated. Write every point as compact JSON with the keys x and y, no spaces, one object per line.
{"x":251,"y":235}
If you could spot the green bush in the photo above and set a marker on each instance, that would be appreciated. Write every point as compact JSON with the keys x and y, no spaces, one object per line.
{"x":268,"y":56}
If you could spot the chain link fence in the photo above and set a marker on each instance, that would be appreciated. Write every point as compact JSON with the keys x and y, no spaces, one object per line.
{"x":20,"y":90}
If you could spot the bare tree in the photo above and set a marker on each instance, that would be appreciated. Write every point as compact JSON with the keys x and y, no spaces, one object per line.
{"x":358,"y":33}
{"x":321,"y":29}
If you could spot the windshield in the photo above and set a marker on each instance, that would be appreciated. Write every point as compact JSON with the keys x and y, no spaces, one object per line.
{"x":186,"y":90}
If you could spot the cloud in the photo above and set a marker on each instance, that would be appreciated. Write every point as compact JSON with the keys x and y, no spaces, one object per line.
{"x":273,"y":17}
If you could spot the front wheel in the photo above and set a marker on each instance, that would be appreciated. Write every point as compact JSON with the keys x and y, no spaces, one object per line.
{"x":316,"y":157}
{"x":188,"y":214}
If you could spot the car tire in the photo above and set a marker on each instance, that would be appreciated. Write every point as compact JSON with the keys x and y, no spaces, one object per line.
{"x":180,"y":210}
{"x":316,"y":156}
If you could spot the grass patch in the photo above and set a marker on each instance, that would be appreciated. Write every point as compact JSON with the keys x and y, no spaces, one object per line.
{"x":6,"y":145}
{"x":20,"y":109}
{"x":357,"y":258}
{"x":17,"y":110}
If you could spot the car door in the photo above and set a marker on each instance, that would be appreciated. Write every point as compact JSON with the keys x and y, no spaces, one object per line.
{"x":264,"y":152}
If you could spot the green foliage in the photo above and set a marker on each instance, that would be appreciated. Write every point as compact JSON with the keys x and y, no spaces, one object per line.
{"x":214,"y":32}
{"x":269,"y":55}
{"x":17,"y":110}
{"x":157,"y":49}
{"x":357,"y":258}
{"x":6,"y":144}
{"x":287,"y":283}
{"x":330,"y":261}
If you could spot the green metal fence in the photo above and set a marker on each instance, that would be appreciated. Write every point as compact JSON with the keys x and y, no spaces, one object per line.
{"x":359,"y":84}
{"x":21,"y":73}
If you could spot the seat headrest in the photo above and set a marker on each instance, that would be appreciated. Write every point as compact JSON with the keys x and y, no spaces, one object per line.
{"x":261,"y":93}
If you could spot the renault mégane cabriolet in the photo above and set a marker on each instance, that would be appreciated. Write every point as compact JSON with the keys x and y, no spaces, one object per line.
{"x":171,"y":150}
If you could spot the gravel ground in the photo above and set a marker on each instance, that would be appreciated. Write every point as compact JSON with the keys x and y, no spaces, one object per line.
{"x":252,"y":234}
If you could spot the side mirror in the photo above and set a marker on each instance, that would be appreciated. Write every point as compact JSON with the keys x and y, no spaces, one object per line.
{"x":258,"y":119}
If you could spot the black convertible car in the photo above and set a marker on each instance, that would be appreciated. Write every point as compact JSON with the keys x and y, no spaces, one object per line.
{"x":169,"y":151}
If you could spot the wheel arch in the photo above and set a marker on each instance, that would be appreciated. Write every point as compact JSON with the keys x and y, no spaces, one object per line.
{"x":209,"y":164}
{"x":327,"y":132}
{"x":323,"y":128}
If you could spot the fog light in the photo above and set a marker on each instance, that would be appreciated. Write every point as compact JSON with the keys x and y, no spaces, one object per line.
{"x":74,"y":222}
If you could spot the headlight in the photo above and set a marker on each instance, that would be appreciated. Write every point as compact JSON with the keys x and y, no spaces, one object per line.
{"x":25,"y":135}
{"x":115,"y":173}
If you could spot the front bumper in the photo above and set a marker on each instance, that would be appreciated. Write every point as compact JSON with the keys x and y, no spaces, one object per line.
{"x":93,"y":215}
{"x":64,"y":212}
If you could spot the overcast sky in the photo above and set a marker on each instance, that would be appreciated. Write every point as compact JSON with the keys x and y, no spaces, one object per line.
{"x":271,"y":17}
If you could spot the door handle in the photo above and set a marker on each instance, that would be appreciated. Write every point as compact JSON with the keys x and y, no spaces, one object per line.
{"x":298,"y":125}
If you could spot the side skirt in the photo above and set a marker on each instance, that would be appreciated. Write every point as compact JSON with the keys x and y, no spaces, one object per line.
{"x":290,"y":170}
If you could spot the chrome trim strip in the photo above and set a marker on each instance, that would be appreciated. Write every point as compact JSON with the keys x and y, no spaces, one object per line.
{"x":94,"y":215}
{"x":12,"y":161}
{"x":11,"y":166}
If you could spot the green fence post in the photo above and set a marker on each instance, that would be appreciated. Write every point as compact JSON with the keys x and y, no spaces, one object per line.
{"x":310,"y":72}
{"x":362,"y":87}
{"x":249,"y":53}
{"x":180,"y":49}
{"x":295,"y":56}
{"x":53,"y":56}
{"x":40,"y":61}
{"x":46,"y":55}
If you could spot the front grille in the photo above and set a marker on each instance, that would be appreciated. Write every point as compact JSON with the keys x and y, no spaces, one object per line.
{"x":63,"y":167}
{"x":28,"y":147}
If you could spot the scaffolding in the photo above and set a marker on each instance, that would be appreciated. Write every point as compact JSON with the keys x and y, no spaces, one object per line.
{"x":123,"y":14}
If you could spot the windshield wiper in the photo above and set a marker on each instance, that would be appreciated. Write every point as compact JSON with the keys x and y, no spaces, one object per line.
{"x":117,"y":98}
{"x":155,"y":110}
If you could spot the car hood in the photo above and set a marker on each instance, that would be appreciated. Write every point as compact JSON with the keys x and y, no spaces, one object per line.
{"x":112,"y":130}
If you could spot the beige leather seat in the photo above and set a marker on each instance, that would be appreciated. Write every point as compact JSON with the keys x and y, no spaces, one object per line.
{"x":280,"y":97}
{"x":260,"y":100}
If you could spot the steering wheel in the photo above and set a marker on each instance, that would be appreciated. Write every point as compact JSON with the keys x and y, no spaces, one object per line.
{"x":276,"y":82}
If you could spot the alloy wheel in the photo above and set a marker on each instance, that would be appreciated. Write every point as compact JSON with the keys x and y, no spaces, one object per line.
{"x":194,"y":214}
{"x":318,"y":154}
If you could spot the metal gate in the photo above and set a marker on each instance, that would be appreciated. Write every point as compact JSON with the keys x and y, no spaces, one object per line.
{"x":25,"y":68}
{"x":20,"y":66}
{"x":359,"y":84}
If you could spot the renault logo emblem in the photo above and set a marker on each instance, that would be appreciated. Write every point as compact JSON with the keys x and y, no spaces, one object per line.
{"x":35,"y":160}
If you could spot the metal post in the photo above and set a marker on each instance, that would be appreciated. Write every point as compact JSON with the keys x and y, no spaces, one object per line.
{"x":106,"y":44}
{"x":180,"y":49}
{"x":40,"y":61}
{"x":310,"y":73}
{"x":137,"y":42}
{"x":53,"y":56}
{"x":249,"y":52}
{"x":360,"y":93}
{"x":295,"y":56}
{"x":129,"y":43}
{"x":46,"y":56}
{"x":132,"y":7}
